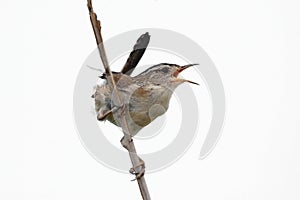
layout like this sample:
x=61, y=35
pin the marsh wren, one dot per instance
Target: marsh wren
x=145, y=96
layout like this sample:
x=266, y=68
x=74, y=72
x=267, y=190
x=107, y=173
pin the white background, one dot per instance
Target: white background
x=255, y=46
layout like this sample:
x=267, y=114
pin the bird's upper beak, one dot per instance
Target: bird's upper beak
x=180, y=69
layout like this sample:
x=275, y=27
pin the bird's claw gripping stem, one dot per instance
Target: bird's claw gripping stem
x=138, y=170
x=125, y=143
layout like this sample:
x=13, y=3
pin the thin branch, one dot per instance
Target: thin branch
x=127, y=136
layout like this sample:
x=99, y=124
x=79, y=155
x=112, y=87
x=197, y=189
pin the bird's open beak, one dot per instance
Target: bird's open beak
x=180, y=69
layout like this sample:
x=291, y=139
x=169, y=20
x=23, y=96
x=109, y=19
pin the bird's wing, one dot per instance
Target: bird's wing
x=136, y=54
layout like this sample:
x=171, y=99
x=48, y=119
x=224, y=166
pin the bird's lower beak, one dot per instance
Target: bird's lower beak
x=180, y=70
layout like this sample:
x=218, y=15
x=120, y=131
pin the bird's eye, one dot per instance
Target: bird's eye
x=165, y=70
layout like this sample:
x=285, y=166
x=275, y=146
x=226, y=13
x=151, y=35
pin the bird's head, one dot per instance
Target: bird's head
x=167, y=74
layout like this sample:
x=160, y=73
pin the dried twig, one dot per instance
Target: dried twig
x=127, y=136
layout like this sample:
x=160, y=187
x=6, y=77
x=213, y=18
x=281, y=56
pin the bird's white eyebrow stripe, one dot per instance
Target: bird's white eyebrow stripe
x=154, y=67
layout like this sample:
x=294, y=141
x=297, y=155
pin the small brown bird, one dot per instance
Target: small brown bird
x=145, y=96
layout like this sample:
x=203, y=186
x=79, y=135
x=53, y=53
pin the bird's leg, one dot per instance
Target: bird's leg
x=103, y=114
x=139, y=169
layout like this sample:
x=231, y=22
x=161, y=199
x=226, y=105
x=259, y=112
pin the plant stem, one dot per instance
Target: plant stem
x=127, y=136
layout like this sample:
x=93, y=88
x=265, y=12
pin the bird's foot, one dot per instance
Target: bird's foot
x=125, y=142
x=138, y=170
